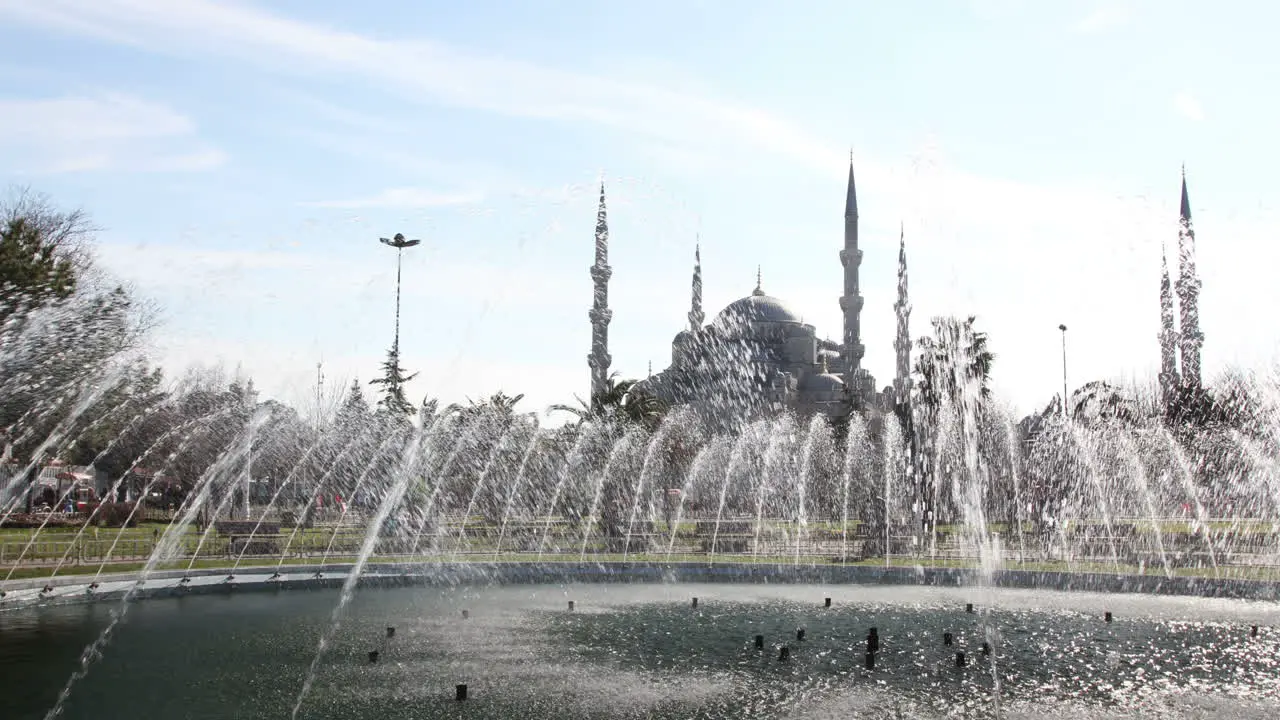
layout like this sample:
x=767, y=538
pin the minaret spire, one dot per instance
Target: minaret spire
x=1190, y=339
x=695, y=311
x=600, y=314
x=902, y=344
x=851, y=300
x=1168, y=335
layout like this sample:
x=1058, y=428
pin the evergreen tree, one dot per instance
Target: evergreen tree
x=354, y=409
x=393, y=381
x=38, y=253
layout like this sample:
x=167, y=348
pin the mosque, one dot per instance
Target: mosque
x=758, y=357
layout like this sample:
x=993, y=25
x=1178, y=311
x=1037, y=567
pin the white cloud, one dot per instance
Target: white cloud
x=421, y=71
x=103, y=132
x=1105, y=18
x=1188, y=106
x=403, y=197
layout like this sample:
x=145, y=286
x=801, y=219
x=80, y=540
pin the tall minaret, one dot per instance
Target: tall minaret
x=695, y=311
x=902, y=344
x=1168, y=335
x=851, y=301
x=600, y=314
x=1189, y=337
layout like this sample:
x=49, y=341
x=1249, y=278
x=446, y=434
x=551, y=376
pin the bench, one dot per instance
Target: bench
x=246, y=527
x=250, y=537
x=257, y=544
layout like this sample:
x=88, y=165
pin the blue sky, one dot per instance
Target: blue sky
x=243, y=158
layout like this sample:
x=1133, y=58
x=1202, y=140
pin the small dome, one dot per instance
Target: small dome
x=822, y=382
x=757, y=307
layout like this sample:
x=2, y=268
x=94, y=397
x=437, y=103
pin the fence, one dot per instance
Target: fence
x=1119, y=544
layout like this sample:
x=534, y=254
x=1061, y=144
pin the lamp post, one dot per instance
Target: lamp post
x=1063, y=328
x=399, y=243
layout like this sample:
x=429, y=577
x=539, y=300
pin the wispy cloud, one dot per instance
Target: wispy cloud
x=421, y=71
x=1108, y=17
x=1188, y=106
x=403, y=198
x=104, y=132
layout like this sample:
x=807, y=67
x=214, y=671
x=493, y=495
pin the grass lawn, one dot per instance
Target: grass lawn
x=259, y=563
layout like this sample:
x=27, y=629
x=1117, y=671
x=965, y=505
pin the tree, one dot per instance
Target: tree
x=953, y=363
x=65, y=328
x=41, y=252
x=954, y=357
x=620, y=402
x=393, y=381
x=354, y=409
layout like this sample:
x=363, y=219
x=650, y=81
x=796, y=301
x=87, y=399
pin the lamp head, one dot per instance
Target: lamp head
x=399, y=241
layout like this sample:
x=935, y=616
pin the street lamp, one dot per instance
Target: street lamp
x=1063, y=328
x=399, y=243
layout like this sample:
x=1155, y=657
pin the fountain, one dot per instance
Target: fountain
x=1096, y=564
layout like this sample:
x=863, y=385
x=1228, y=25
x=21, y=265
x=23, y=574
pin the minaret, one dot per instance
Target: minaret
x=902, y=344
x=1168, y=335
x=1189, y=337
x=851, y=301
x=600, y=314
x=695, y=311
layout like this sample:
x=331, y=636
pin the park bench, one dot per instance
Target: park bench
x=249, y=537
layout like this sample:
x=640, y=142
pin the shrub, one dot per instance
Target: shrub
x=116, y=514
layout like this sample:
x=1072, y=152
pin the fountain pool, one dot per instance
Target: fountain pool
x=642, y=650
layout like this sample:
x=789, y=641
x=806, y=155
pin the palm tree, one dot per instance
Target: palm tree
x=956, y=355
x=955, y=358
x=621, y=402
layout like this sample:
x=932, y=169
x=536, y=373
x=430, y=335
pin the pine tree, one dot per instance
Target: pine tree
x=354, y=408
x=393, y=381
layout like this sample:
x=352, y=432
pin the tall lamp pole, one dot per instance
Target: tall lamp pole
x=1063, y=328
x=399, y=243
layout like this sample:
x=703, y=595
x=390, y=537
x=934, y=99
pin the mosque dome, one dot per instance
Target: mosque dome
x=756, y=308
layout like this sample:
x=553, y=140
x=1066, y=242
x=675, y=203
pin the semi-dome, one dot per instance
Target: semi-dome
x=822, y=382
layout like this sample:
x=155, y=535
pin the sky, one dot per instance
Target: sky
x=243, y=158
